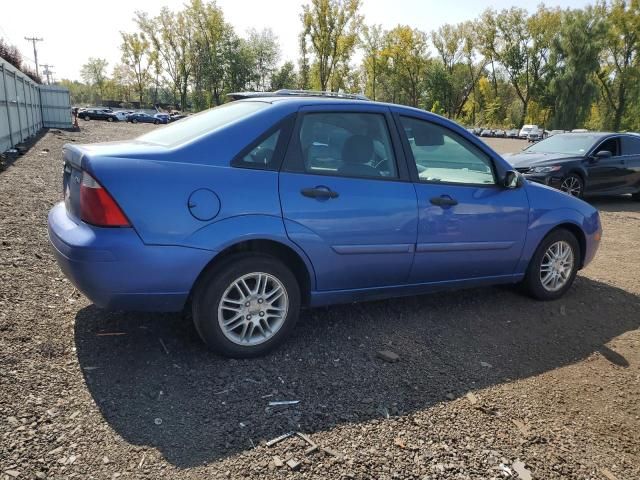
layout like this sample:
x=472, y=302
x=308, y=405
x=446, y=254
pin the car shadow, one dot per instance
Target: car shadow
x=620, y=203
x=156, y=384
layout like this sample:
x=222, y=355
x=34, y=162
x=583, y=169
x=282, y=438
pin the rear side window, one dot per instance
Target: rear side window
x=201, y=123
x=630, y=146
x=261, y=156
x=444, y=156
x=346, y=144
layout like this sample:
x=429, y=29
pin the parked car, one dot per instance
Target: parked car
x=174, y=117
x=583, y=164
x=143, y=117
x=551, y=133
x=524, y=131
x=121, y=114
x=500, y=133
x=163, y=117
x=486, y=133
x=513, y=133
x=98, y=114
x=251, y=210
x=534, y=136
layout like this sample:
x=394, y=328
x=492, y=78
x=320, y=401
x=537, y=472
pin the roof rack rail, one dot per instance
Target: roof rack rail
x=296, y=93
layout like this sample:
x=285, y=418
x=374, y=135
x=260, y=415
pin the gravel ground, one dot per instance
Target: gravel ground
x=487, y=382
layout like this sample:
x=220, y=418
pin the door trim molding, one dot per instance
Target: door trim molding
x=462, y=246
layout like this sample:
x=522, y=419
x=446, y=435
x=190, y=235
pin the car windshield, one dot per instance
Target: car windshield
x=567, y=143
x=201, y=123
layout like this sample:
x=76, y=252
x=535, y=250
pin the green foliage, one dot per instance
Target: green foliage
x=557, y=68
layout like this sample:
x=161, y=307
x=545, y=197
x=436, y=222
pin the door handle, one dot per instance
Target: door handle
x=443, y=201
x=319, y=192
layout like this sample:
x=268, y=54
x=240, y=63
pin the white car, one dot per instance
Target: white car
x=526, y=129
x=122, y=115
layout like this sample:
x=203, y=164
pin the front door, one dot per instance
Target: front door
x=346, y=199
x=606, y=174
x=469, y=227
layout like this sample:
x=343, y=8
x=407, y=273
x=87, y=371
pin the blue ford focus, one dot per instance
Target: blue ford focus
x=252, y=210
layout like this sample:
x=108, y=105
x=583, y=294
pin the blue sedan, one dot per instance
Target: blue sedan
x=252, y=210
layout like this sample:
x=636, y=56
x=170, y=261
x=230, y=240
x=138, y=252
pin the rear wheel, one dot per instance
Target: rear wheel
x=135, y=120
x=246, y=306
x=573, y=185
x=155, y=122
x=110, y=119
x=553, y=267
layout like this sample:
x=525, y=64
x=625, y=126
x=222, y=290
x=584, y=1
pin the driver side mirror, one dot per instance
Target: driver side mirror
x=602, y=154
x=512, y=179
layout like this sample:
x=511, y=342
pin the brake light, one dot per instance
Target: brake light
x=97, y=207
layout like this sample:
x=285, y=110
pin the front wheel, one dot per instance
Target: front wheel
x=156, y=122
x=553, y=267
x=573, y=185
x=246, y=306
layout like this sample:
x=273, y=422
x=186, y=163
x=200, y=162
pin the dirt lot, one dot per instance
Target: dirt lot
x=488, y=382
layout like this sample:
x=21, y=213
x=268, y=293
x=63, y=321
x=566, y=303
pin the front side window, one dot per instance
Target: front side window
x=609, y=145
x=444, y=156
x=347, y=144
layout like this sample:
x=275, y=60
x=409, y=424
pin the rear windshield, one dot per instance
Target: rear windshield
x=189, y=128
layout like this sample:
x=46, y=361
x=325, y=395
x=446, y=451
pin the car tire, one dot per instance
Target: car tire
x=551, y=261
x=573, y=185
x=636, y=196
x=228, y=313
x=86, y=118
x=110, y=119
x=156, y=122
x=135, y=120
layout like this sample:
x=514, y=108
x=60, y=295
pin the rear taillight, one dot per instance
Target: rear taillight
x=97, y=207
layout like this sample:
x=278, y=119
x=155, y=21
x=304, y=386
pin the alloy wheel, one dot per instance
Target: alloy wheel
x=572, y=185
x=253, y=308
x=556, y=266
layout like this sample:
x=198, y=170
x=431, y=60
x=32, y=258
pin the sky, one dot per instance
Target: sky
x=74, y=30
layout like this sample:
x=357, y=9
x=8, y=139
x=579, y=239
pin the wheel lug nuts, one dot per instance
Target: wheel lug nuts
x=248, y=317
x=247, y=304
x=262, y=314
x=260, y=300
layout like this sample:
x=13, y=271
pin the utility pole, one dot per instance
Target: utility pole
x=35, y=50
x=48, y=72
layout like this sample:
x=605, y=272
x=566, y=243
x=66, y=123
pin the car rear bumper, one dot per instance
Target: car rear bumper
x=116, y=270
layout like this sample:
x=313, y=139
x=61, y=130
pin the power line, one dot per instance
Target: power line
x=34, y=40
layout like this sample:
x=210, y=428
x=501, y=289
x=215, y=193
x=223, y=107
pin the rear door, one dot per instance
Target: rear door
x=346, y=198
x=631, y=154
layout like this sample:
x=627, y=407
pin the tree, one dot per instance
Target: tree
x=331, y=27
x=521, y=44
x=139, y=58
x=284, y=77
x=620, y=66
x=372, y=43
x=575, y=54
x=171, y=35
x=208, y=61
x=405, y=64
x=266, y=53
x=94, y=73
